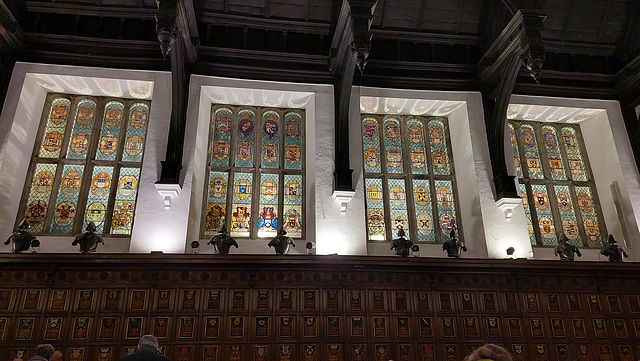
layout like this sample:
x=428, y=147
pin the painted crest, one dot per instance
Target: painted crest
x=415, y=133
x=371, y=157
x=293, y=191
x=122, y=216
x=246, y=124
x=417, y=158
x=376, y=223
x=542, y=202
x=85, y=116
x=425, y=223
x=108, y=144
x=570, y=140
x=269, y=190
x=392, y=131
x=220, y=149
x=436, y=135
x=215, y=216
x=556, y=164
x=100, y=184
x=370, y=129
x=245, y=151
x=293, y=221
x=70, y=183
x=444, y=197
x=59, y=114
x=218, y=188
x=528, y=138
x=533, y=163
x=43, y=182
x=439, y=159
x=52, y=141
x=529, y=227
x=64, y=214
x=585, y=203
x=35, y=212
x=421, y=195
x=575, y=163
x=138, y=118
x=399, y=219
x=79, y=143
x=242, y=189
x=397, y=196
x=112, y=117
x=292, y=127
x=374, y=194
x=549, y=138
x=570, y=228
x=394, y=158
x=591, y=229
x=445, y=223
x=270, y=126
x=292, y=153
x=127, y=185
x=133, y=146
x=223, y=122
x=95, y=213
x=525, y=199
x=270, y=152
x=546, y=228
x=564, y=202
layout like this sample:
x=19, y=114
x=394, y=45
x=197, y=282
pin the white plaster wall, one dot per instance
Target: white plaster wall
x=611, y=158
x=19, y=123
x=324, y=224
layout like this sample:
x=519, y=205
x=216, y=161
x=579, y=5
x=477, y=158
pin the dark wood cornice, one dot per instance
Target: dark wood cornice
x=264, y=24
x=88, y=10
x=554, y=46
x=628, y=78
x=429, y=38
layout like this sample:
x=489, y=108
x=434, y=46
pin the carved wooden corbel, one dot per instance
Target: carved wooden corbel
x=520, y=43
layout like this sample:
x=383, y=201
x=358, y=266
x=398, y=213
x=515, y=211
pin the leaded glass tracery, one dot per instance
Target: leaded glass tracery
x=86, y=166
x=556, y=186
x=255, y=172
x=410, y=181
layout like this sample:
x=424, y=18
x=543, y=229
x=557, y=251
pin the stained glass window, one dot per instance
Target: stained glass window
x=556, y=187
x=92, y=158
x=255, y=172
x=409, y=180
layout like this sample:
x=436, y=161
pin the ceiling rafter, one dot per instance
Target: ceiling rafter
x=565, y=26
x=98, y=11
x=264, y=24
x=459, y=19
x=603, y=22
x=423, y=6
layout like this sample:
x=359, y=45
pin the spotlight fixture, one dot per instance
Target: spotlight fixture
x=195, y=247
x=511, y=253
x=415, y=251
x=311, y=249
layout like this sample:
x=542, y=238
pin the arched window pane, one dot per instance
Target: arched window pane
x=531, y=153
x=545, y=215
x=216, y=202
x=270, y=140
x=393, y=145
x=245, y=138
x=39, y=195
x=417, y=150
x=221, y=140
x=82, y=127
x=371, y=145
x=574, y=155
x=293, y=140
x=67, y=199
x=136, y=133
x=586, y=203
x=552, y=148
x=55, y=129
x=110, y=131
x=439, y=153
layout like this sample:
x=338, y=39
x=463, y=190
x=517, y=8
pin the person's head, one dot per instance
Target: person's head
x=57, y=356
x=44, y=350
x=148, y=340
x=489, y=352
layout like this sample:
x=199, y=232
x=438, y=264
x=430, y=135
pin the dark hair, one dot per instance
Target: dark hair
x=44, y=350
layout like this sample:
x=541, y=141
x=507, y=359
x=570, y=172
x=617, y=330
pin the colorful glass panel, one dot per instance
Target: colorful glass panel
x=393, y=145
x=398, y=211
x=221, y=139
x=593, y=235
x=125, y=204
x=82, y=127
x=574, y=154
x=39, y=195
x=375, y=209
x=439, y=154
x=527, y=213
x=268, y=212
x=446, y=207
x=423, y=210
x=567, y=213
x=136, y=133
x=516, y=152
x=293, y=147
x=110, y=131
x=556, y=166
x=67, y=199
x=241, y=209
x=293, y=216
x=531, y=152
x=545, y=216
x=98, y=196
x=216, y=202
x=417, y=151
x=55, y=128
x=371, y=145
x=270, y=140
x=245, y=142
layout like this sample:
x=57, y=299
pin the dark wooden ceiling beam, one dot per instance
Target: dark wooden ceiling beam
x=459, y=18
x=591, y=49
x=423, y=6
x=264, y=24
x=603, y=22
x=565, y=25
x=87, y=10
x=426, y=37
x=10, y=30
